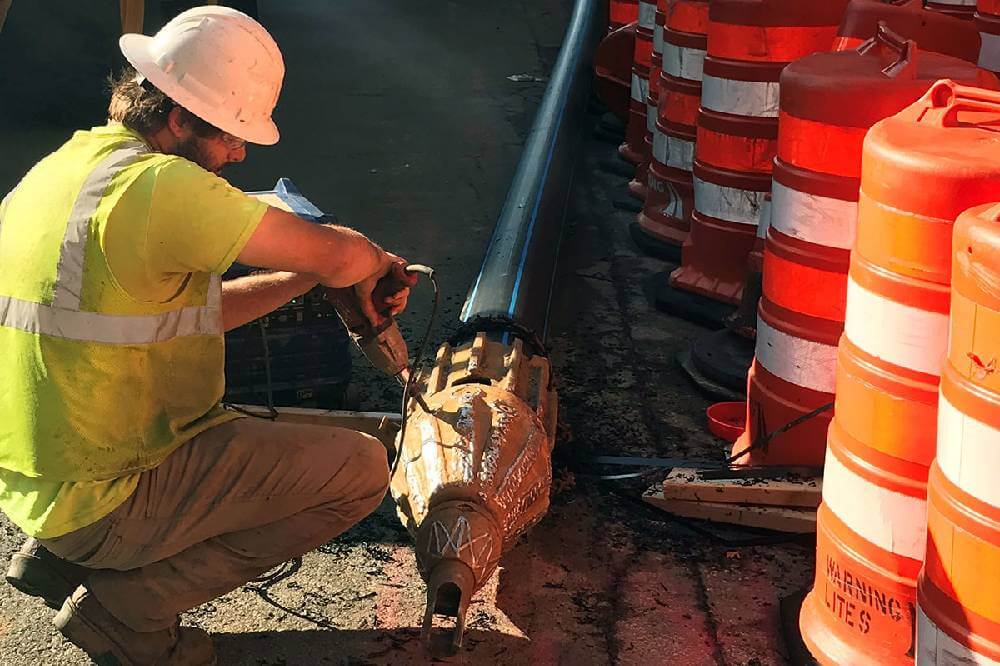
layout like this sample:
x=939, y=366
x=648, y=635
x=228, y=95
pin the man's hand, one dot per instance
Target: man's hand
x=386, y=291
x=338, y=257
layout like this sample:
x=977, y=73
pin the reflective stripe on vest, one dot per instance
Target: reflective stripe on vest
x=69, y=272
x=86, y=326
x=64, y=318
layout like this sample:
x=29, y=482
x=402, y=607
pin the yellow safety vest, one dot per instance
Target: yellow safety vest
x=95, y=385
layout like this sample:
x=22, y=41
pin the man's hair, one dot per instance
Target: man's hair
x=143, y=108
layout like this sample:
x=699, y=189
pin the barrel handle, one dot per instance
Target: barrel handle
x=905, y=65
x=946, y=98
x=993, y=213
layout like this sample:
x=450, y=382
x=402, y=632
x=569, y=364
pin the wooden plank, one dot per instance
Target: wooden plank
x=132, y=13
x=4, y=8
x=801, y=521
x=684, y=483
x=383, y=425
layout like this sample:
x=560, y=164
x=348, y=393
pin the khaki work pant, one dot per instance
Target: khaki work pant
x=223, y=509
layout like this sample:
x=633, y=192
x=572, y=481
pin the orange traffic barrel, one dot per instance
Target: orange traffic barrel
x=666, y=216
x=613, y=70
x=963, y=9
x=622, y=12
x=988, y=23
x=958, y=592
x=749, y=43
x=932, y=31
x=638, y=187
x=722, y=358
x=920, y=169
x=744, y=321
x=817, y=175
x=635, y=130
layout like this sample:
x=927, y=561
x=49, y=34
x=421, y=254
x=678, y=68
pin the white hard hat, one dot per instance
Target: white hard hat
x=219, y=64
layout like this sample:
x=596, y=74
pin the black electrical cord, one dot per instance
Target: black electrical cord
x=414, y=367
x=280, y=573
x=272, y=412
x=766, y=439
x=269, y=386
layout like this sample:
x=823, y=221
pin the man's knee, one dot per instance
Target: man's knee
x=373, y=463
x=364, y=479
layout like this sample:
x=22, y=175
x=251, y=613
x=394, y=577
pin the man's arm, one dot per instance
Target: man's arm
x=247, y=298
x=337, y=256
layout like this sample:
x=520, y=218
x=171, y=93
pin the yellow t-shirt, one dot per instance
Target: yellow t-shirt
x=174, y=221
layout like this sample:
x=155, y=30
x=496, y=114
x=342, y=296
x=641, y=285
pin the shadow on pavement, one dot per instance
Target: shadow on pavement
x=373, y=646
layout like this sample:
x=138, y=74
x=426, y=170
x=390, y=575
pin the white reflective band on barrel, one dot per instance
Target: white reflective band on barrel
x=900, y=334
x=682, y=62
x=809, y=217
x=892, y=521
x=812, y=365
x=764, y=219
x=989, y=51
x=69, y=272
x=64, y=318
x=954, y=3
x=651, y=112
x=671, y=151
x=658, y=39
x=647, y=14
x=640, y=88
x=968, y=453
x=675, y=203
x=936, y=648
x=756, y=99
x=727, y=203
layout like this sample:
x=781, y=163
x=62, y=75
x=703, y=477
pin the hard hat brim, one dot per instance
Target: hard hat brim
x=136, y=49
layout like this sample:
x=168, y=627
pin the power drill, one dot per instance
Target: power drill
x=382, y=345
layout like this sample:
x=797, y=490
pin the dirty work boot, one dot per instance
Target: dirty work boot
x=109, y=642
x=37, y=572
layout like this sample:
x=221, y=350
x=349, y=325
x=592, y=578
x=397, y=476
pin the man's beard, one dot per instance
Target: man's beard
x=192, y=148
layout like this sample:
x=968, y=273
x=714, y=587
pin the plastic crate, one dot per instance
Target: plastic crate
x=303, y=341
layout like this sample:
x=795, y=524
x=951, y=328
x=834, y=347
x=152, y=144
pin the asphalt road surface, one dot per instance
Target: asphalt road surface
x=400, y=118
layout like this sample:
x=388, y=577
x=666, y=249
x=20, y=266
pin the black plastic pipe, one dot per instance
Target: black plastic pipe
x=511, y=294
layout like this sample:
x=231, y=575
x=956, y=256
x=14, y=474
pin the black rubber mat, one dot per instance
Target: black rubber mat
x=684, y=304
x=724, y=358
x=653, y=246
